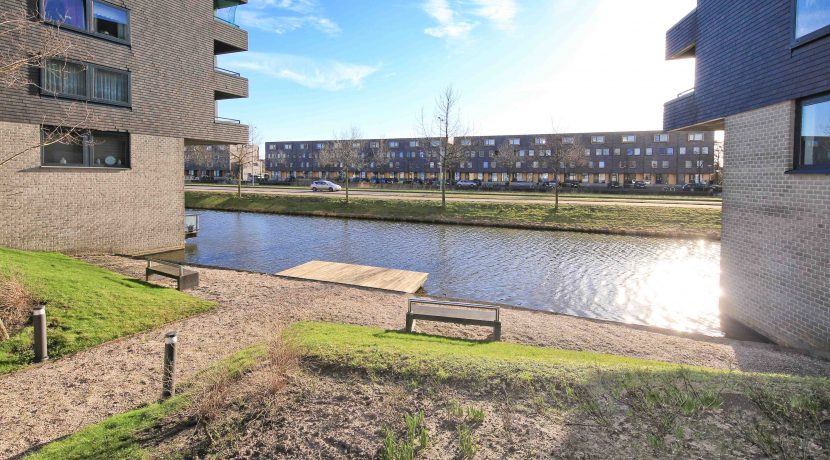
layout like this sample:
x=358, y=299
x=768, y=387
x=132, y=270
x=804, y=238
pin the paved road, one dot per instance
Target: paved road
x=472, y=197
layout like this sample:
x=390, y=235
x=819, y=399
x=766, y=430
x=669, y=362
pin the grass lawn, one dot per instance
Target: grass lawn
x=564, y=194
x=86, y=305
x=621, y=406
x=619, y=219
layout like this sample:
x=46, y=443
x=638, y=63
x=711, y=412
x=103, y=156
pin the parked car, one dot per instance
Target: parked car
x=697, y=188
x=614, y=184
x=466, y=185
x=570, y=183
x=522, y=186
x=324, y=185
x=639, y=184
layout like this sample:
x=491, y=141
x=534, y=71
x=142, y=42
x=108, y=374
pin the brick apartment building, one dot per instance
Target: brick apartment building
x=220, y=162
x=137, y=83
x=763, y=75
x=653, y=156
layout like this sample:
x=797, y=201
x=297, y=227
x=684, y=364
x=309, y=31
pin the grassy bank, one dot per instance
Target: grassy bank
x=626, y=220
x=85, y=305
x=386, y=394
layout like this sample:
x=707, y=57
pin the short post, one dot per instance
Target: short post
x=168, y=380
x=39, y=321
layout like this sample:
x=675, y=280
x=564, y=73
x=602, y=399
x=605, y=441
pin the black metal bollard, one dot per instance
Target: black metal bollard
x=39, y=321
x=168, y=380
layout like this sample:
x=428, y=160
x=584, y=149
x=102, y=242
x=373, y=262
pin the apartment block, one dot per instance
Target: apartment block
x=94, y=135
x=653, y=156
x=763, y=75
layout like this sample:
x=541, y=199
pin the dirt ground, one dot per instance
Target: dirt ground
x=91, y=385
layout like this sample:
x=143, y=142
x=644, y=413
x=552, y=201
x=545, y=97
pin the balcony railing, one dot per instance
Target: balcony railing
x=686, y=93
x=227, y=72
x=227, y=121
x=226, y=15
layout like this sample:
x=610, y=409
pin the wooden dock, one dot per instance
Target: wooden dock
x=358, y=275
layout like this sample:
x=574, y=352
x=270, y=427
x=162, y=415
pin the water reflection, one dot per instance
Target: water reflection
x=660, y=282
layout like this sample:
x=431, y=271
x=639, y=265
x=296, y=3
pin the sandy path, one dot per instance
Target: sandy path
x=391, y=195
x=45, y=402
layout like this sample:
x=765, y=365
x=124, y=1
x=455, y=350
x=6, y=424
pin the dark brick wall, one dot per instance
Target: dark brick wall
x=613, y=141
x=170, y=59
x=746, y=60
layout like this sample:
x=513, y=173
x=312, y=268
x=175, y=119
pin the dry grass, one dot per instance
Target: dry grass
x=16, y=304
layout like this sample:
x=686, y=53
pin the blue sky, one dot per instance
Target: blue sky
x=317, y=67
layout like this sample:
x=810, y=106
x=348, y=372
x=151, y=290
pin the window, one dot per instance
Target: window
x=88, y=149
x=272, y=147
x=706, y=150
x=88, y=82
x=413, y=143
x=695, y=137
x=535, y=164
x=515, y=141
x=653, y=165
x=696, y=150
x=319, y=146
x=374, y=144
x=93, y=16
x=670, y=151
x=466, y=142
x=541, y=141
x=567, y=140
x=661, y=138
x=518, y=164
x=435, y=143
x=287, y=146
x=810, y=16
x=486, y=165
x=521, y=153
x=393, y=144
x=597, y=139
x=637, y=152
x=303, y=146
x=629, y=139
x=616, y=151
x=814, y=138
x=355, y=145
x=649, y=151
x=110, y=20
x=688, y=164
x=629, y=152
x=665, y=165
x=682, y=150
x=601, y=165
x=490, y=142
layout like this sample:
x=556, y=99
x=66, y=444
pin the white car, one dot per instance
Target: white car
x=324, y=185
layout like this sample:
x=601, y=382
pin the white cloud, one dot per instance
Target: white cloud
x=284, y=24
x=327, y=74
x=451, y=16
x=500, y=12
x=270, y=16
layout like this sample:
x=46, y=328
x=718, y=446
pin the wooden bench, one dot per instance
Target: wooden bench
x=185, y=279
x=453, y=312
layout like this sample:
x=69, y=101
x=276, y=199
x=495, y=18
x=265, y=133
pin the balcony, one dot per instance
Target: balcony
x=228, y=84
x=682, y=38
x=681, y=112
x=227, y=36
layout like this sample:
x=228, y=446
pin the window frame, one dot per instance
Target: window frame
x=89, y=137
x=810, y=37
x=89, y=18
x=798, y=154
x=90, y=84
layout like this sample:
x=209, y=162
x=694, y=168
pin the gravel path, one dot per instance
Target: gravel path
x=45, y=402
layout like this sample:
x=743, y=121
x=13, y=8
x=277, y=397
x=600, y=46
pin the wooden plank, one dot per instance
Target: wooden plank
x=359, y=275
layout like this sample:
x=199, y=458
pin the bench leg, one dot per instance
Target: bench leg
x=409, y=321
x=497, y=331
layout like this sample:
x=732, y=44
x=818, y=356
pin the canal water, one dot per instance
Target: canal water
x=650, y=281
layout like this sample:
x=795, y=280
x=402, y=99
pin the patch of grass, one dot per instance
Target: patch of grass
x=621, y=219
x=86, y=305
x=118, y=436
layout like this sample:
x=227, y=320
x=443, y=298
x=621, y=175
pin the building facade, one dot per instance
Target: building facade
x=94, y=137
x=763, y=75
x=651, y=156
x=220, y=161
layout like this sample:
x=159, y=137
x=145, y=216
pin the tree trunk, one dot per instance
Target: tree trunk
x=347, y=186
x=239, y=183
x=442, y=178
x=556, y=205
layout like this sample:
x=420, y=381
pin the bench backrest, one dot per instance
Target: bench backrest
x=169, y=264
x=453, y=309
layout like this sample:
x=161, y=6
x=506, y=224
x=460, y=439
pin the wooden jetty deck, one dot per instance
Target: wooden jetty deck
x=359, y=275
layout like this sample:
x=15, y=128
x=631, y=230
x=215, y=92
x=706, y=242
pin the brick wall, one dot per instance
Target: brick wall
x=92, y=209
x=776, y=233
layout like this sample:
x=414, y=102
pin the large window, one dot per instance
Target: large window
x=814, y=151
x=93, y=16
x=88, y=82
x=810, y=16
x=63, y=147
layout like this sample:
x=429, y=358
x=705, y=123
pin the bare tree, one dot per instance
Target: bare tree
x=345, y=155
x=439, y=134
x=566, y=154
x=245, y=155
x=378, y=157
x=507, y=156
x=33, y=46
